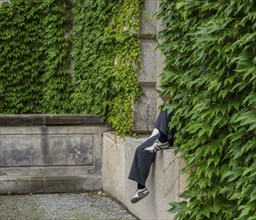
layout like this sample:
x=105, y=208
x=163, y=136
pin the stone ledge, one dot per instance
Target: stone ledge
x=165, y=182
x=49, y=119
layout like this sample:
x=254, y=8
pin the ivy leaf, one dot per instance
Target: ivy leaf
x=177, y=206
x=247, y=118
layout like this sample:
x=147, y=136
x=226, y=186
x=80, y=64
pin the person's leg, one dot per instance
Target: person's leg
x=141, y=167
x=161, y=124
x=162, y=138
x=142, y=162
x=143, y=159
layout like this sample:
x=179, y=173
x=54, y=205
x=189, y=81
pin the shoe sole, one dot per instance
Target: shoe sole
x=134, y=200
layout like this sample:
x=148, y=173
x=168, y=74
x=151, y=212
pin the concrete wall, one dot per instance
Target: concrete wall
x=50, y=153
x=165, y=182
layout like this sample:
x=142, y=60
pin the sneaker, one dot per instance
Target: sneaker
x=139, y=194
x=157, y=146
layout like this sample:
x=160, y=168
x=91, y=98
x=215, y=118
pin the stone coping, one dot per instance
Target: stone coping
x=49, y=119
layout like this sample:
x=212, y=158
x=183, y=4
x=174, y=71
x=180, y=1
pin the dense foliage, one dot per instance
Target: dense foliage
x=38, y=73
x=210, y=49
x=34, y=57
x=107, y=58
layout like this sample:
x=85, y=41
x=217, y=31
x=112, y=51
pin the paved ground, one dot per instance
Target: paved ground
x=84, y=206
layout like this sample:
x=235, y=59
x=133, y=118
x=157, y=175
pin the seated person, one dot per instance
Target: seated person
x=161, y=138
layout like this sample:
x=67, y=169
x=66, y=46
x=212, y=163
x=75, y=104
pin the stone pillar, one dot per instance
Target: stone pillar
x=160, y=58
x=147, y=109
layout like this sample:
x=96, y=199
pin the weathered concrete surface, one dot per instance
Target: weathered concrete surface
x=50, y=153
x=85, y=206
x=145, y=110
x=49, y=119
x=46, y=146
x=148, y=18
x=165, y=182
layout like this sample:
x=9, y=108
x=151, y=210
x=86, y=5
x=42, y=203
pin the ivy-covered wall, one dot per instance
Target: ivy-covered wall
x=71, y=56
x=107, y=58
x=35, y=57
x=210, y=49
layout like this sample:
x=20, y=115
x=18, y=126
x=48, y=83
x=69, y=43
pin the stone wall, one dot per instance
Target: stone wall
x=50, y=153
x=165, y=182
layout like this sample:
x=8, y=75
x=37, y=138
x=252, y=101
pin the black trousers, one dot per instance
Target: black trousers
x=143, y=160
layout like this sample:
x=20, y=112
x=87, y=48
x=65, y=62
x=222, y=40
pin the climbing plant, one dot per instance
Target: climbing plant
x=34, y=56
x=20, y=50
x=210, y=49
x=38, y=73
x=107, y=57
x=57, y=79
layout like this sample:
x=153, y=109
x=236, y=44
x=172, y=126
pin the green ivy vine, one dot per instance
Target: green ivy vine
x=210, y=49
x=34, y=56
x=57, y=78
x=107, y=57
x=20, y=86
x=71, y=56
